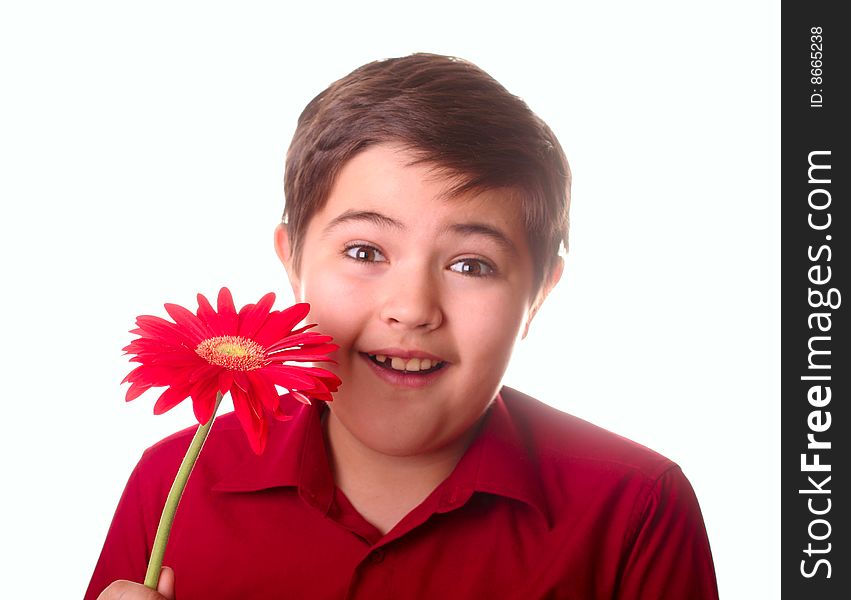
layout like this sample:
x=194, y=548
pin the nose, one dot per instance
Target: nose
x=412, y=301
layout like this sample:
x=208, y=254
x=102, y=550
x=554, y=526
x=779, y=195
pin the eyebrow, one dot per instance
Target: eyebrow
x=367, y=216
x=385, y=222
x=484, y=230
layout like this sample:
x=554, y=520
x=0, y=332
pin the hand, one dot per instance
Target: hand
x=127, y=590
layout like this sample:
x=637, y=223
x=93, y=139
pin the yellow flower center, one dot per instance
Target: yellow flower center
x=232, y=352
x=230, y=349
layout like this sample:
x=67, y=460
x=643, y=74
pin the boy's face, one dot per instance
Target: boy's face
x=392, y=269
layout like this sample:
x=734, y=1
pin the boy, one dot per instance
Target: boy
x=425, y=211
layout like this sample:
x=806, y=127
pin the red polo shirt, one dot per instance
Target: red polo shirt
x=542, y=505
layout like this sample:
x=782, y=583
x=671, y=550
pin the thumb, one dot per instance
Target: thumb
x=165, y=586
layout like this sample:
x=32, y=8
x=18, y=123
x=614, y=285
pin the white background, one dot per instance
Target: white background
x=141, y=161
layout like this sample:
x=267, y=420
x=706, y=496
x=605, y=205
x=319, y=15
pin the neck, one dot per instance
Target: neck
x=385, y=487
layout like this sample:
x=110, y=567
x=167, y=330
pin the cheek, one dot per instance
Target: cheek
x=493, y=322
x=338, y=305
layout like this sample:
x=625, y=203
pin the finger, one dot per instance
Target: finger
x=166, y=583
x=127, y=590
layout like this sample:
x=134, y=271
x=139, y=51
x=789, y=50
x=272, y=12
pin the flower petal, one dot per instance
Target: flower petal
x=225, y=381
x=280, y=324
x=228, y=320
x=159, y=328
x=157, y=375
x=241, y=381
x=207, y=314
x=319, y=372
x=318, y=354
x=287, y=376
x=300, y=397
x=170, y=398
x=287, y=406
x=189, y=322
x=251, y=418
x=204, y=399
x=253, y=316
x=263, y=389
x=136, y=390
x=204, y=371
x=292, y=341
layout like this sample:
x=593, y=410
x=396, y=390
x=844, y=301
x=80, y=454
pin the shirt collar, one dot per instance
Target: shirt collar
x=497, y=462
x=295, y=455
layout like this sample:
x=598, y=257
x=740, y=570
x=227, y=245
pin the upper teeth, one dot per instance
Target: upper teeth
x=410, y=364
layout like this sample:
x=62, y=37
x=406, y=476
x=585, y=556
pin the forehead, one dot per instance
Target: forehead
x=387, y=181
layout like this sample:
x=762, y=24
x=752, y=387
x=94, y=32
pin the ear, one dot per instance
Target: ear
x=282, y=248
x=546, y=288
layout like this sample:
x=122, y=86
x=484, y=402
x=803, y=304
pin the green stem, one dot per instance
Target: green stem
x=152, y=576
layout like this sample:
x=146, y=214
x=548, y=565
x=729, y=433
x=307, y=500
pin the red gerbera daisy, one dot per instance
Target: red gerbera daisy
x=203, y=354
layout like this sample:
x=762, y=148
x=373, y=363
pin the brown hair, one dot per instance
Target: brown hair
x=450, y=114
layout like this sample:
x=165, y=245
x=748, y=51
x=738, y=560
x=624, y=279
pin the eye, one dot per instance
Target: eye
x=472, y=267
x=364, y=253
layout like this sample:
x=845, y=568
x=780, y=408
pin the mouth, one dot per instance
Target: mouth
x=409, y=373
x=409, y=366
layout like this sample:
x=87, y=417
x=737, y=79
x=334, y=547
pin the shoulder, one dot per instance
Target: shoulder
x=561, y=442
x=599, y=481
x=631, y=512
x=224, y=436
x=224, y=450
